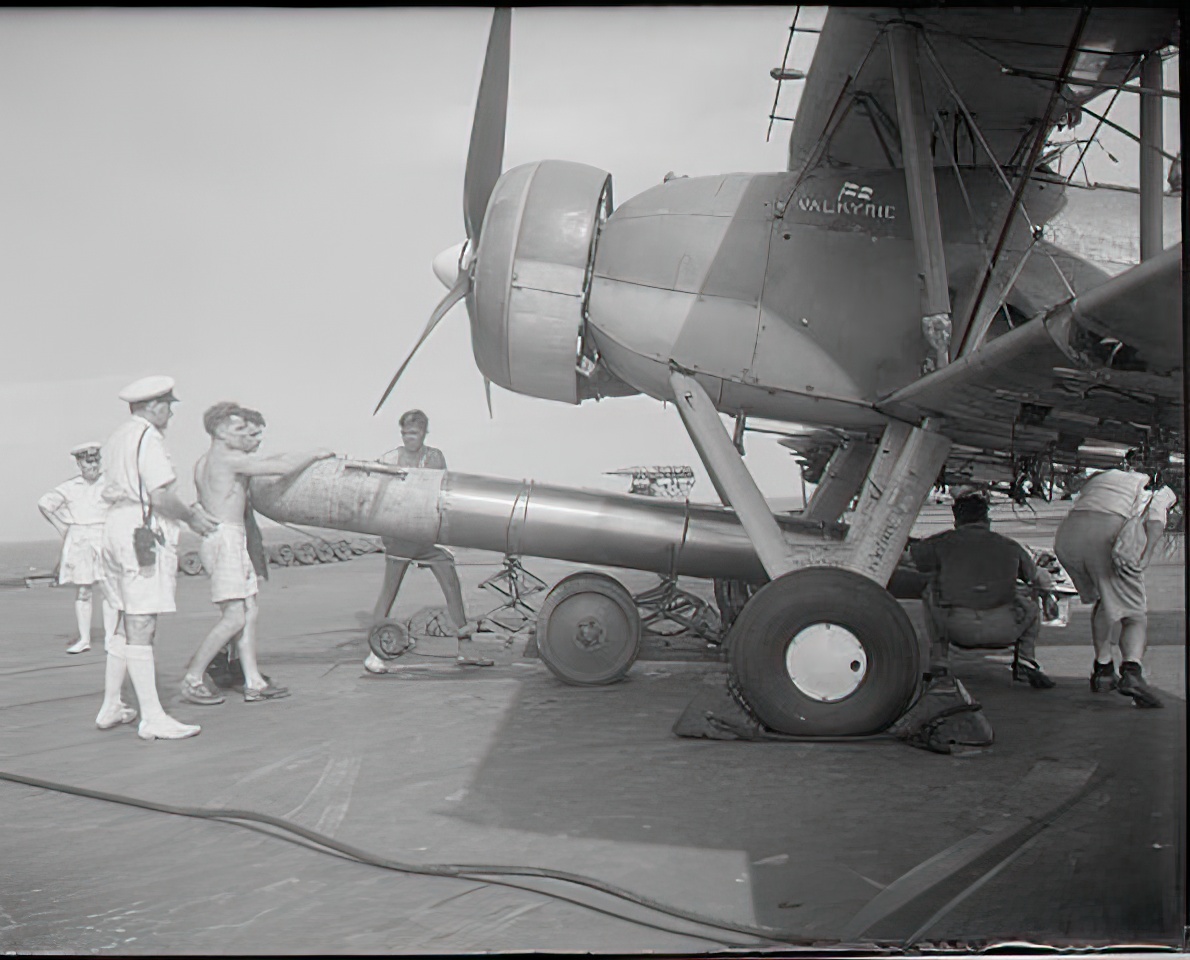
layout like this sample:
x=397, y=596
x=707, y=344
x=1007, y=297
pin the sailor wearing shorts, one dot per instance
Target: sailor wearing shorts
x=77, y=509
x=224, y=553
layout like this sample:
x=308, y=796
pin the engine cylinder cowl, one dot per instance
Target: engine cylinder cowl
x=532, y=272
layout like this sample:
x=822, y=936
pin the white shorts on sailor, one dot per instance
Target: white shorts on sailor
x=224, y=554
x=82, y=554
x=131, y=588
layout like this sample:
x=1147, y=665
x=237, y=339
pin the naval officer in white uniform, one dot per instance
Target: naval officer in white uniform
x=140, y=537
x=76, y=509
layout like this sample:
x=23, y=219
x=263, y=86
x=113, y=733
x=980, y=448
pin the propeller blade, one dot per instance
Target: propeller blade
x=487, y=392
x=485, y=156
x=453, y=296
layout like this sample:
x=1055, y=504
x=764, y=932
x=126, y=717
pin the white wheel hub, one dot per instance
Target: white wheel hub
x=826, y=662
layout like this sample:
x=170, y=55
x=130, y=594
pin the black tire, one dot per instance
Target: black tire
x=829, y=599
x=588, y=630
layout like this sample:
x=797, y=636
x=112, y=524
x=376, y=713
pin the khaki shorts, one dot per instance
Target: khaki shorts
x=130, y=588
x=224, y=554
x=1083, y=544
x=82, y=554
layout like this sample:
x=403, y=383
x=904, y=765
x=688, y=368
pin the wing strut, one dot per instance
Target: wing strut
x=972, y=333
x=922, y=190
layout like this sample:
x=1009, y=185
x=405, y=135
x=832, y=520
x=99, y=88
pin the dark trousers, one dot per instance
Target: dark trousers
x=1014, y=624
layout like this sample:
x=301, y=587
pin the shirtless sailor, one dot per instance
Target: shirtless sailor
x=221, y=477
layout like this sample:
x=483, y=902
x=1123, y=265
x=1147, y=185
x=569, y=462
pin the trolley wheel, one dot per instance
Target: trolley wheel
x=588, y=630
x=190, y=563
x=304, y=553
x=825, y=652
x=343, y=550
x=389, y=639
x=324, y=552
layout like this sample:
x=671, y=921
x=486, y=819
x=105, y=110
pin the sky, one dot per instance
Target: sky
x=250, y=200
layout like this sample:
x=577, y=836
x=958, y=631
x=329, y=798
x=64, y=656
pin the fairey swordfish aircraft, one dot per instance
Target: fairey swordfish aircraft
x=893, y=291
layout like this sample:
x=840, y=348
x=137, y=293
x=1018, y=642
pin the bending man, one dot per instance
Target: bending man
x=1084, y=547
x=221, y=476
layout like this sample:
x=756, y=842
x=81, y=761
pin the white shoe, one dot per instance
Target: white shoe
x=166, y=727
x=113, y=717
x=373, y=664
x=82, y=645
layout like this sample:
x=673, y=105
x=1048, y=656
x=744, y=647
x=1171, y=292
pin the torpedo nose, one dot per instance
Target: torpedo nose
x=448, y=264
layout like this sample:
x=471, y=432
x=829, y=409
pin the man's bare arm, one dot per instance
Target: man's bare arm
x=166, y=502
x=275, y=464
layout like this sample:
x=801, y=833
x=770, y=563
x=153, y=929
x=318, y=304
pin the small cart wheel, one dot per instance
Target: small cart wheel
x=389, y=639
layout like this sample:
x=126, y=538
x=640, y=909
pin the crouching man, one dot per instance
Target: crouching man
x=983, y=592
x=221, y=477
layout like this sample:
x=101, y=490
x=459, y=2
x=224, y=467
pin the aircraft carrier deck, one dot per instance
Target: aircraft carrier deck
x=1069, y=830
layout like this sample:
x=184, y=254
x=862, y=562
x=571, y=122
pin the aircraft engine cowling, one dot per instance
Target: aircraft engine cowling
x=532, y=273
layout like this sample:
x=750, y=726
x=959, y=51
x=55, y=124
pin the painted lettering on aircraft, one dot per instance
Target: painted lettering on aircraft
x=860, y=206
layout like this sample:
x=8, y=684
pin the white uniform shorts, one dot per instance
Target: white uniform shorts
x=224, y=554
x=132, y=589
x=82, y=554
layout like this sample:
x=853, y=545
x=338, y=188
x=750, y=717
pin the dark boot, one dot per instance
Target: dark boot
x=225, y=672
x=1132, y=684
x=1026, y=670
x=1103, y=677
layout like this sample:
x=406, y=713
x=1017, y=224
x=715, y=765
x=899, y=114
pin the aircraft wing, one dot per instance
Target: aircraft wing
x=847, y=113
x=1103, y=366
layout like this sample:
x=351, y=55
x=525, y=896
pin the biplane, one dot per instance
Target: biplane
x=893, y=292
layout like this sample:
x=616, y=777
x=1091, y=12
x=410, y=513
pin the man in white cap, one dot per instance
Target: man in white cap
x=140, y=536
x=76, y=509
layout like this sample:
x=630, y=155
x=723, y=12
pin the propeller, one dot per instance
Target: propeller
x=485, y=160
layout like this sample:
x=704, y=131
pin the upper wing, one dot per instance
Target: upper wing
x=847, y=113
x=1105, y=365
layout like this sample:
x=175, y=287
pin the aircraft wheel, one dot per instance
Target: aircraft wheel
x=190, y=564
x=824, y=652
x=389, y=639
x=588, y=630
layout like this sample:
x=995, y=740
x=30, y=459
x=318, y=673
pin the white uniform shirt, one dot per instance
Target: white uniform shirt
x=1123, y=493
x=127, y=475
x=76, y=502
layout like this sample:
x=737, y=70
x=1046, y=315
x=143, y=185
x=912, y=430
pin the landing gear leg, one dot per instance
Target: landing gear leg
x=824, y=649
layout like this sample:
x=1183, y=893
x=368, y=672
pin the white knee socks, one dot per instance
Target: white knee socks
x=111, y=621
x=82, y=613
x=143, y=671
